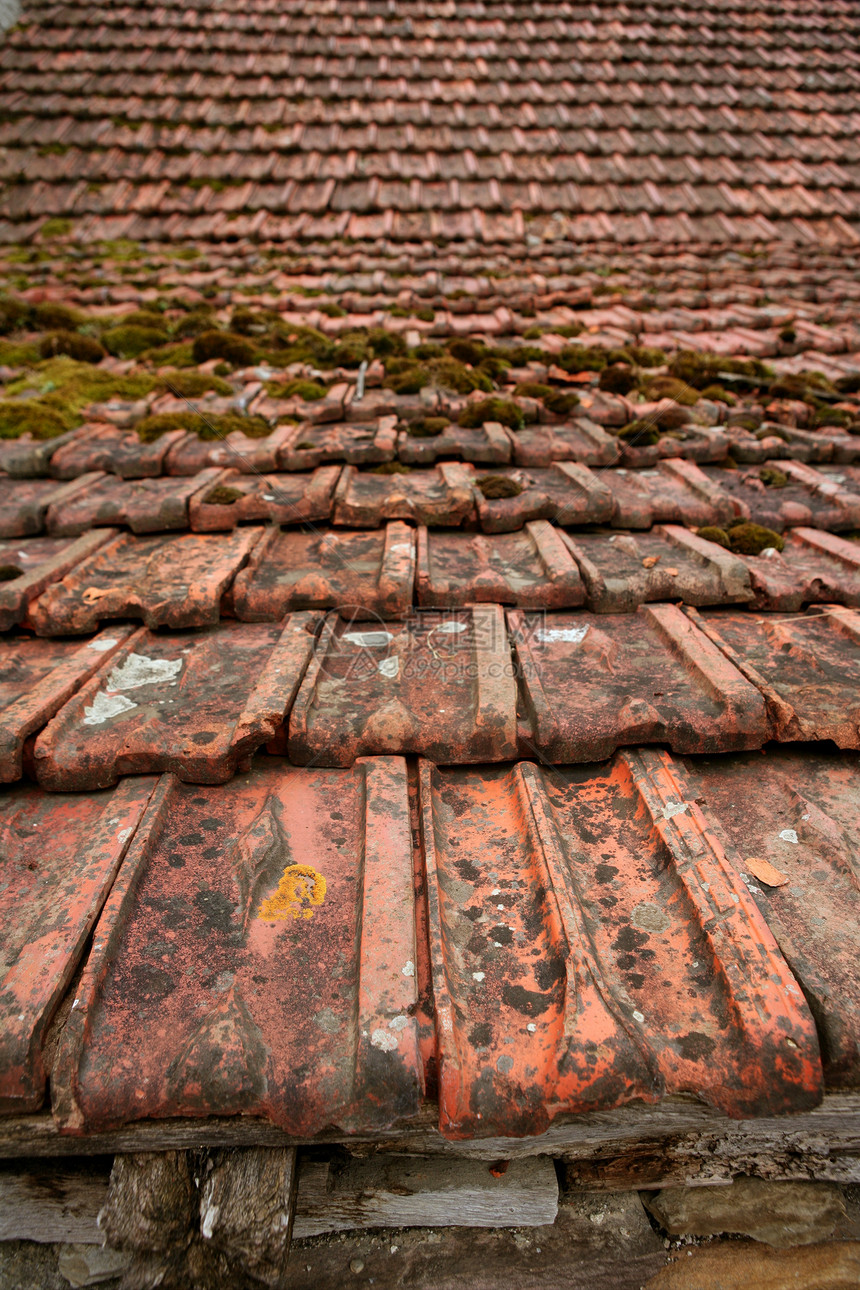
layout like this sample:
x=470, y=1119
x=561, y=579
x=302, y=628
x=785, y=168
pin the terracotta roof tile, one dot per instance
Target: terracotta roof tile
x=532, y=569
x=208, y=701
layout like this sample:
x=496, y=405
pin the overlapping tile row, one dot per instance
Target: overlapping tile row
x=213, y=124
x=596, y=935
x=500, y=499
x=457, y=685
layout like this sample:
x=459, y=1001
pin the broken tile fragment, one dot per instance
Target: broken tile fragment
x=25, y=503
x=487, y=443
x=562, y=984
x=532, y=569
x=58, y=858
x=786, y=494
x=36, y=679
x=116, y=452
x=798, y=809
x=674, y=492
x=582, y=441
x=439, y=684
x=592, y=683
x=363, y=574
x=441, y=496
x=624, y=570
x=285, y=983
x=307, y=446
x=174, y=580
x=807, y=666
x=565, y=492
x=814, y=567
x=230, y=498
x=144, y=505
x=198, y=704
x=29, y=565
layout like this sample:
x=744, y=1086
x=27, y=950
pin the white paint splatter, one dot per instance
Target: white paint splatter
x=102, y=646
x=788, y=835
x=124, y=835
x=389, y=668
x=478, y=976
x=398, y=1023
x=138, y=669
x=384, y=1040
x=639, y=1016
x=408, y=968
x=104, y=706
x=573, y=635
x=208, y=1220
x=368, y=640
x=672, y=809
x=450, y=627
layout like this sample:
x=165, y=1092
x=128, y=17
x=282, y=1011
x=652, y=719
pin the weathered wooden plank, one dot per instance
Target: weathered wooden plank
x=247, y=1202
x=410, y=1191
x=46, y=1201
x=833, y=1128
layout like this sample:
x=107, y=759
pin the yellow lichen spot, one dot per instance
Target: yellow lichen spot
x=299, y=889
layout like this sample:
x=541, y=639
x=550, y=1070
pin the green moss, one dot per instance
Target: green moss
x=225, y=345
x=55, y=228
x=647, y=356
x=51, y=316
x=711, y=533
x=409, y=381
x=716, y=392
x=63, y=389
x=750, y=423
x=752, y=539
x=428, y=349
x=640, y=434
x=131, y=341
x=701, y=370
x=83, y=349
x=153, y=427
x=582, y=358
x=193, y=323
x=21, y=354
x=13, y=315
x=247, y=322
x=467, y=351
x=560, y=402
x=308, y=391
x=451, y=374
x=305, y=445
x=668, y=387
x=504, y=411
x=495, y=487
x=425, y=315
x=617, y=379
x=427, y=427
x=390, y=468
x=30, y=417
x=190, y=384
x=207, y=428
x=332, y=310
x=223, y=495
x=849, y=384
x=532, y=333
x=533, y=390
x=773, y=477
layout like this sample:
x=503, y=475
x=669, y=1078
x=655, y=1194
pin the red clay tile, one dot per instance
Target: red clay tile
x=442, y=495
x=814, y=567
x=806, y=666
x=308, y=446
x=583, y=441
x=28, y=458
x=532, y=569
x=565, y=492
x=29, y=565
x=362, y=574
x=284, y=981
x=36, y=679
x=591, y=946
x=197, y=704
x=171, y=581
x=487, y=443
x=377, y=690
x=692, y=443
x=590, y=684
x=24, y=503
x=145, y=505
x=624, y=570
x=799, y=813
x=117, y=452
x=808, y=498
x=235, y=451
x=58, y=858
x=282, y=499
x=674, y=492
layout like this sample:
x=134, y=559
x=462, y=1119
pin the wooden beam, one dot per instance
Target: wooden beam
x=411, y=1191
